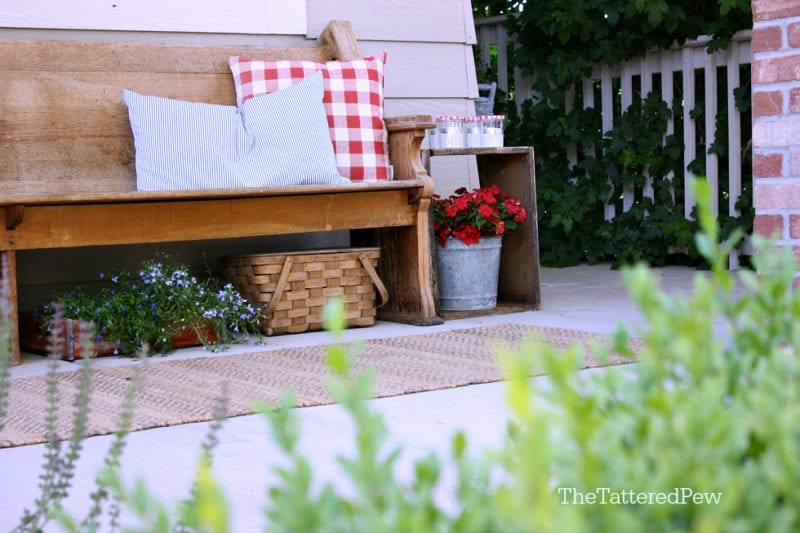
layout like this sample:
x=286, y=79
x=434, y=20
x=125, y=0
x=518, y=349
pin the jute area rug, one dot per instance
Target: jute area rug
x=183, y=391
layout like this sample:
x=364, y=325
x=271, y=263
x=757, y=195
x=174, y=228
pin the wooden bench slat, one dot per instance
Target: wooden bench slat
x=89, y=224
x=66, y=56
x=48, y=94
x=94, y=196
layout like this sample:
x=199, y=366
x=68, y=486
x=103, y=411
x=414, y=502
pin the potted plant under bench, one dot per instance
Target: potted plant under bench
x=162, y=306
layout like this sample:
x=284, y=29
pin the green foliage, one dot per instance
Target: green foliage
x=570, y=36
x=204, y=510
x=556, y=43
x=717, y=374
x=490, y=8
x=7, y=332
x=206, y=507
x=379, y=502
x=58, y=470
x=59, y=465
x=706, y=422
x=112, y=461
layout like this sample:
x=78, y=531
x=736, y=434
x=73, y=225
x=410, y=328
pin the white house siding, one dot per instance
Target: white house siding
x=429, y=71
x=430, y=68
x=209, y=16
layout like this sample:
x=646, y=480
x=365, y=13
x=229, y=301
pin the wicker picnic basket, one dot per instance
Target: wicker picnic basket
x=293, y=287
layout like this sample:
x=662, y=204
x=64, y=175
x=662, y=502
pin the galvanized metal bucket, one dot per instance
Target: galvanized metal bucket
x=467, y=275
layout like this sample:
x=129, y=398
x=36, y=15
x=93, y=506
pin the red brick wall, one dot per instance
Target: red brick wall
x=776, y=119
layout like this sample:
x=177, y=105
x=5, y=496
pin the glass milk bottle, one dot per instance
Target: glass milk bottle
x=492, y=130
x=451, y=132
x=433, y=137
x=472, y=132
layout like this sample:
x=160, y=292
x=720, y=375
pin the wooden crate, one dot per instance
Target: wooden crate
x=65, y=336
x=67, y=345
x=293, y=288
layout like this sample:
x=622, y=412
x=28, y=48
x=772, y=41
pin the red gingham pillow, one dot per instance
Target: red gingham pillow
x=353, y=101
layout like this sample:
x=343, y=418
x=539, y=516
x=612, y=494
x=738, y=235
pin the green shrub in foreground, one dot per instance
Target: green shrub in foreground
x=713, y=413
x=702, y=435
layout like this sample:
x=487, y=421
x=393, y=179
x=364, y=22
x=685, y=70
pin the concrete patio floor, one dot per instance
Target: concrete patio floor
x=587, y=298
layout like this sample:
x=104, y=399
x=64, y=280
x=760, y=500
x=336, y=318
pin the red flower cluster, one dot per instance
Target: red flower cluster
x=470, y=215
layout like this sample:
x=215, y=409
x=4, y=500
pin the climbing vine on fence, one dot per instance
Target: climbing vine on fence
x=557, y=42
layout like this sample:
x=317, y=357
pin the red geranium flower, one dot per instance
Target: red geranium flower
x=487, y=211
x=470, y=215
x=468, y=234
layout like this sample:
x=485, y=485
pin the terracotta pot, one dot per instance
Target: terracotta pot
x=188, y=337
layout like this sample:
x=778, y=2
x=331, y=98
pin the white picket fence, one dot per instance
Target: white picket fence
x=690, y=62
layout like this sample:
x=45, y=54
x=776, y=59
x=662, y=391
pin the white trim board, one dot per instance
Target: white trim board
x=286, y=17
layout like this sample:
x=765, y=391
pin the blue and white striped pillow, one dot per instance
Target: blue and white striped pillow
x=278, y=139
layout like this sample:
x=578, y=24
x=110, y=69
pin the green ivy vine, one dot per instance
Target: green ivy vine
x=556, y=44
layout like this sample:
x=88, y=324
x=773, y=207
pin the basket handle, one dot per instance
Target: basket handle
x=276, y=296
x=375, y=279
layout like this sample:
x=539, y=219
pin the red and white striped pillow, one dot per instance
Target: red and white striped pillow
x=353, y=99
